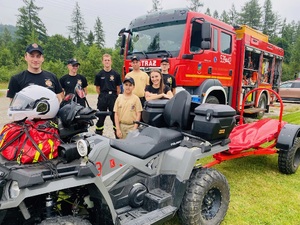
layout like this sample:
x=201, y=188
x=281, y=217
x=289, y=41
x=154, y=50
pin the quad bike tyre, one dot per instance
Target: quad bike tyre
x=212, y=100
x=206, y=198
x=263, y=105
x=289, y=160
x=65, y=220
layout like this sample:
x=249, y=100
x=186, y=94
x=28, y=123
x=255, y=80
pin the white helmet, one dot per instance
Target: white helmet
x=34, y=102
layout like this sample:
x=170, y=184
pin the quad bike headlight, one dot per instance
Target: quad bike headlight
x=14, y=189
x=82, y=147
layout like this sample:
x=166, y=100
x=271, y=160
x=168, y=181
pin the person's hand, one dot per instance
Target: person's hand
x=119, y=134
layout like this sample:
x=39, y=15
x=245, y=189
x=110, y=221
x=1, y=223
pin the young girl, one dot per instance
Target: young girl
x=157, y=89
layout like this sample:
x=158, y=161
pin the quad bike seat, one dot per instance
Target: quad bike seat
x=152, y=140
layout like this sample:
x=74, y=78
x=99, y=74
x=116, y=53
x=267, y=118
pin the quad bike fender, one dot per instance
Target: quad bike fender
x=182, y=160
x=287, y=136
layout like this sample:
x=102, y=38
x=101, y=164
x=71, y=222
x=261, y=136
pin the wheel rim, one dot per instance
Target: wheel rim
x=211, y=204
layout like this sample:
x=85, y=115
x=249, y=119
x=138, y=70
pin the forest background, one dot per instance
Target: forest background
x=89, y=46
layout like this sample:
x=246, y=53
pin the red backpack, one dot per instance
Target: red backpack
x=29, y=141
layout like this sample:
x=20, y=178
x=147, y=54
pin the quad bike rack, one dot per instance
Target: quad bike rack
x=251, y=138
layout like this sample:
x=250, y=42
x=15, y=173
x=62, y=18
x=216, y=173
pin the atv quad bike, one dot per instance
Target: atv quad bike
x=143, y=179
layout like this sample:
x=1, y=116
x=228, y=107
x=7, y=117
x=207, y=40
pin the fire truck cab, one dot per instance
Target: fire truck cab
x=212, y=60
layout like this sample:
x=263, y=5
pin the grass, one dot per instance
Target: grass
x=259, y=193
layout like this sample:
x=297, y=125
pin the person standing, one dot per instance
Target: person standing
x=157, y=89
x=140, y=78
x=34, y=74
x=107, y=83
x=127, y=109
x=169, y=80
x=74, y=83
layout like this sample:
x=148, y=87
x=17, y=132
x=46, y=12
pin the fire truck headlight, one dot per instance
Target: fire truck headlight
x=14, y=189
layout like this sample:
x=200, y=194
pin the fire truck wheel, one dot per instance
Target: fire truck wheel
x=206, y=198
x=289, y=160
x=212, y=99
x=262, y=103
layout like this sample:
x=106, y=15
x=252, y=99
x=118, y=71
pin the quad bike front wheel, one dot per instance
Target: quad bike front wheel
x=289, y=160
x=206, y=198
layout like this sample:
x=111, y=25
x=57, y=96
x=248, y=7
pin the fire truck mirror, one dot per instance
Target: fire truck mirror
x=206, y=31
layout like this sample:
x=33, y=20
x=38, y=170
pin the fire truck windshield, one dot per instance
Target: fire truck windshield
x=157, y=40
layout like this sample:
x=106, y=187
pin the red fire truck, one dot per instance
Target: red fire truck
x=214, y=61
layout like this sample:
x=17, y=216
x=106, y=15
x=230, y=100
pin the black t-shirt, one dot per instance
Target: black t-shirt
x=25, y=78
x=153, y=90
x=169, y=80
x=68, y=83
x=108, y=81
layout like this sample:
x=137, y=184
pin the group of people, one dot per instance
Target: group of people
x=127, y=106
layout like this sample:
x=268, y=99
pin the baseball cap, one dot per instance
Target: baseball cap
x=164, y=60
x=129, y=79
x=135, y=58
x=73, y=62
x=34, y=47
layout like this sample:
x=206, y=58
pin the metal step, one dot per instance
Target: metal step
x=253, y=110
x=158, y=215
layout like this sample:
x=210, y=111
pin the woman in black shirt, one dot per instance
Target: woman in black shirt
x=157, y=89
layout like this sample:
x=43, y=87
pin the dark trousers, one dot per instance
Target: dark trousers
x=105, y=102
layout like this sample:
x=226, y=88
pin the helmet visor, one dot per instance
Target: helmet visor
x=22, y=102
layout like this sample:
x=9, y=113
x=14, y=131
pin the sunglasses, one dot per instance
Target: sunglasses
x=76, y=65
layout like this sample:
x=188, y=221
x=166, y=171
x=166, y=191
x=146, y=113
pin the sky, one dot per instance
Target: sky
x=117, y=14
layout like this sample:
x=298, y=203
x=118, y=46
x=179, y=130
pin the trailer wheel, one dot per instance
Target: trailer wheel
x=289, y=160
x=262, y=103
x=206, y=199
x=71, y=220
x=212, y=100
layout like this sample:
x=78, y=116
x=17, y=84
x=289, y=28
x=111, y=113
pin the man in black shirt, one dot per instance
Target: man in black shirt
x=74, y=83
x=34, y=74
x=107, y=83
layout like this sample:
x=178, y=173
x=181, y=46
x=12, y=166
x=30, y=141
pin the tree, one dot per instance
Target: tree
x=224, y=17
x=5, y=38
x=195, y=5
x=269, y=22
x=90, y=39
x=59, y=48
x=207, y=12
x=156, y=6
x=251, y=14
x=77, y=29
x=30, y=27
x=99, y=34
x=216, y=14
x=233, y=15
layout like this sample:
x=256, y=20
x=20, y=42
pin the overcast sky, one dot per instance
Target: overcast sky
x=116, y=14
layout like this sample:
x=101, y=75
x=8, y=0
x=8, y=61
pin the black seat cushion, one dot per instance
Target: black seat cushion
x=150, y=141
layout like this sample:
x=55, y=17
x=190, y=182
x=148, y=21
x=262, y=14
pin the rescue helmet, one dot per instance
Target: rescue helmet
x=34, y=102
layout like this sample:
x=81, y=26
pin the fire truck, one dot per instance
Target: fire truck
x=217, y=62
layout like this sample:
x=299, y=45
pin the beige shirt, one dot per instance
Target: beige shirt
x=141, y=79
x=127, y=108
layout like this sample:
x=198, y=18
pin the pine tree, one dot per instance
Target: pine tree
x=216, y=14
x=195, y=5
x=90, y=39
x=233, y=16
x=269, y=22
x=30, y=27
x=251, y=14
x=77, y=29
x=224, y=17
x=99, y=34
x=156, y=6
x=207, y=12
